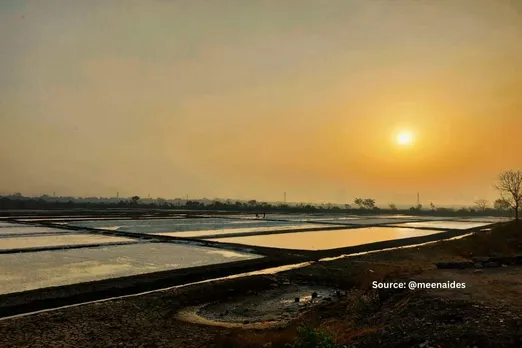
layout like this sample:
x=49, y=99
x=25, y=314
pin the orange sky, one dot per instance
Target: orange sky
x=250, y=99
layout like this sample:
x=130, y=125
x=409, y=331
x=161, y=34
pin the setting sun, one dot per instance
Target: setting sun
x=404, y=138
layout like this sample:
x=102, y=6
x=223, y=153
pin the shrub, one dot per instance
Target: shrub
x=309, y=337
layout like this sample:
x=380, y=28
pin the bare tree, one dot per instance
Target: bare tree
x=393, y=206
x=510, y=188
x=481, y=204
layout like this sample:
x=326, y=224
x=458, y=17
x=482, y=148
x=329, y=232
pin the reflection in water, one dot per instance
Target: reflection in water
x=322, y=240
x=17, y=229
x=459, y=225
x=238, y=230
x=228, y=253
x=184, y=225
x=19, y=272
x=50, y=241
x=327, y=259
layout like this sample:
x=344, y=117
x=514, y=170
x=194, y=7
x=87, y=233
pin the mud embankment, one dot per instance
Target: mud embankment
x=53, y=297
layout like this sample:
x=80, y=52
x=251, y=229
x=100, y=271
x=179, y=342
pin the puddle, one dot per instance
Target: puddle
x=259, y=310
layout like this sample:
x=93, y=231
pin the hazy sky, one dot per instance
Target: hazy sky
x=248, y=99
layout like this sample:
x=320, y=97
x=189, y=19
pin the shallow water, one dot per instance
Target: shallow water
x=240, y=230
x=323, y=240
x=19, y=272
x=184, y=225
x=21, y=229
x=7, y=224
x=59, y=240
x=459, y=225
x=368, y=221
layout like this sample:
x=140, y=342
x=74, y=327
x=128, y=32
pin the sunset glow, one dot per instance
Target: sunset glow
x=250, y=99
x=404, y=138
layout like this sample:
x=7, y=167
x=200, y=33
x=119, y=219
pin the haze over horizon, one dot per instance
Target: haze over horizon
x=248, y=100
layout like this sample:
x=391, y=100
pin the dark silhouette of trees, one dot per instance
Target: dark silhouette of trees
x=418, y=207
x=510, y=187
x=365, y=203
x=481, y=204
x=361, y=206
x=369, y=203
x=501, y=205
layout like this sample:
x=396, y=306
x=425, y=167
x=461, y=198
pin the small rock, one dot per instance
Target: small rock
x=297, y=299
x=267, y=345
x=504, y=265
x=314, y=294
x=478, y=271
x=478, y=265
x=246, y=322
x=423, y=345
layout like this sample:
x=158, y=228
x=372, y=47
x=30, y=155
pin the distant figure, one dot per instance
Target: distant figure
x=257, y=216
x=264, y=215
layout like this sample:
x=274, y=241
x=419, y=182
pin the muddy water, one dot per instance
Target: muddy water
x=260, y=309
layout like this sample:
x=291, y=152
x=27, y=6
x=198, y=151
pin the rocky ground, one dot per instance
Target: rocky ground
x=487, y=313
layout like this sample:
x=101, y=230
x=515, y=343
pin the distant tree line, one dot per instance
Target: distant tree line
x=361, y=206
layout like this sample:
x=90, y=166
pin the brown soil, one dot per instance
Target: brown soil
x=487, y=313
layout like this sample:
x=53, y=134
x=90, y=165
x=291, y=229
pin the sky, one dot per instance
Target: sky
x=251, y=99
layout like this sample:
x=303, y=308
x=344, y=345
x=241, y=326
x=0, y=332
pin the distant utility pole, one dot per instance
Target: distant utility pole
x=117, y=195
x=285, y=197
x=54, y=194
x=418, y=198
x=187, y=197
